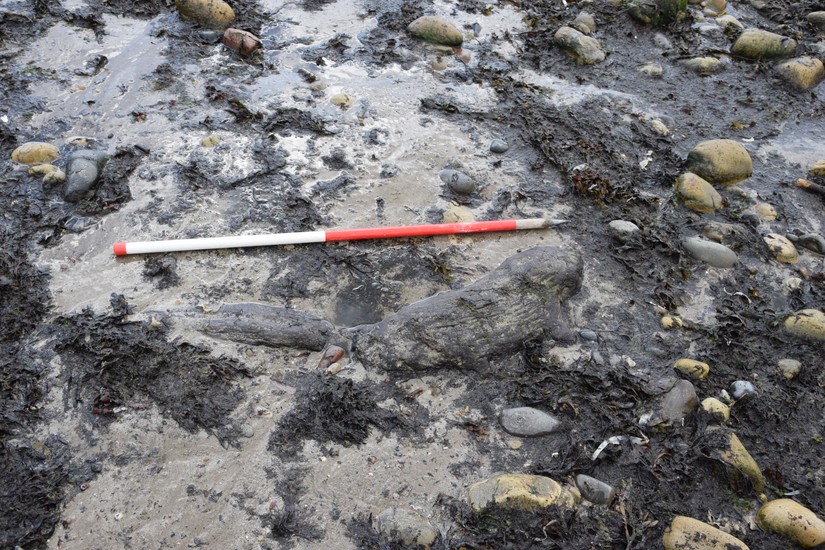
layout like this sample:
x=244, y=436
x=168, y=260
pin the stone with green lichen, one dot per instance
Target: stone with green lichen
x=436, y=31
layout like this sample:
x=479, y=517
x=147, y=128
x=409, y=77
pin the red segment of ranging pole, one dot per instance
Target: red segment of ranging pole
x=241, y=241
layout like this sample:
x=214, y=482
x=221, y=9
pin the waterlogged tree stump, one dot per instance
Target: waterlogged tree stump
x=265, y=325
x=493, y=317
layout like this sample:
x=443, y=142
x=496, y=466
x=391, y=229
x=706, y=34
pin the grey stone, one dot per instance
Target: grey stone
x=597, y=492
x=458, y=182
x=662, y=42
x=405, y=528
x=499, y=146
x=584, y=49
x=83, y=171
x=714, y=254
x=741, y=388
x=817, y=19
x=588, y=335
x=528, y=422
x=436, y=31
x=622, y=229
x=584, y=22
x=677, y=403
x=811, y=241
x=790, y=368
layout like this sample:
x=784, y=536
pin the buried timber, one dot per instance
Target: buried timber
x=648, y=372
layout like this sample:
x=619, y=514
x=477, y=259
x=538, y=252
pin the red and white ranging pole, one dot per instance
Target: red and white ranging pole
x=304, y=237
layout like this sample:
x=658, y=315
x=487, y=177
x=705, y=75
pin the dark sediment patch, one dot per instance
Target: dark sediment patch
x=107, y=358
x=334, y=410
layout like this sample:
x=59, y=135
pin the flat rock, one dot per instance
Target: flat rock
x=804, y=73
x=214, y=14
x=436, y=31
x=759, y=44
x=584, y=49
x=788, y=517
x=714, y=254
x=676, y=404
x=528, y=422
x=265, y=325
x=492, y=317
x=807, y=323
x=720, y=161
x=698, y=194
x=405, y=528
x=519, y=492
x=686, y=533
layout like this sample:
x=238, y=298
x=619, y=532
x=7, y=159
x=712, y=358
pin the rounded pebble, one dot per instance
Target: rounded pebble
x=35, y=151
x=793, y=520
x=528, y=422
x=405, y=527
x=458, y=182
x=623, y=230
x=597, y=492
x=714, y=254
x=588, y=335
x=686, y=533
x=499, y=146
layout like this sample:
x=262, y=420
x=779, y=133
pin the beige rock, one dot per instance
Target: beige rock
x=56, y=176
x=671, y=322
x=782, y=249
x=405, y=527
x=584, y=22
x=726, y=21
x=342, y=100
x=789, y=368
x=807, y=323
x=41, y=169
x=818, y=169
x=720, y=161
x=703, y=66
x=34, y=152
x=585, y=50
x=765, y=211
x=436, y=31
x=817, y=19
x=805, y=73
x=690, y=367
x=520, y=492
x=759, y=44
x=457, y=214
x=716, y=408
x=215, y=14
x=697, y=193
x=793, y=520
x=654, y=70
x=210, y=141
x=686, y=533
x=728, y=449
